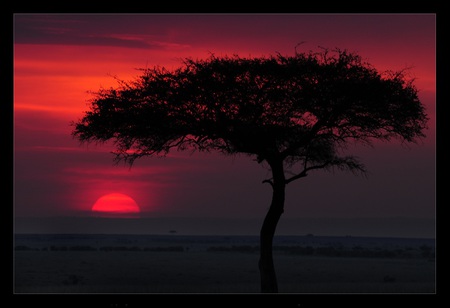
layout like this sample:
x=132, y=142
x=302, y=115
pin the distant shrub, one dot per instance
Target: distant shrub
x=135, y=248
x=241, y=248
x=356, y=251
x=23, y=248
x=82, y=248
x=218, y=248
x=245, y=248
x=329, y=251
x=427, y=251
x=120, y=248
x=170, y=248
x=58, y=248
x=296, y=250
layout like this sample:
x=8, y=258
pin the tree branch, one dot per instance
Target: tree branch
x=268, y=181
x=304, y=172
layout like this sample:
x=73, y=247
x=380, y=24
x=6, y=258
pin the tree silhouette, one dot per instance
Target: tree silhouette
x=294, y=113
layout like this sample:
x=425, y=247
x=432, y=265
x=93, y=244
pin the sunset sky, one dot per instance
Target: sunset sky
x=59, y=59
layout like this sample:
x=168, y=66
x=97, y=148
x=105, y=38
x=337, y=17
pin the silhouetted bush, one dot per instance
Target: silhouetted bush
x=171, y=248
x=218, y=248
x=120, y=248
x=23, y=248
x=427, y=251
x=242, y=248
x=329, y=252
x=296, y=250
x=135, y=248
x=82, y=248
x=357, y=251
x=58, y=248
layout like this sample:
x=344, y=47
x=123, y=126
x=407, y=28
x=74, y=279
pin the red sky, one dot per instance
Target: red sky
x=59, y=58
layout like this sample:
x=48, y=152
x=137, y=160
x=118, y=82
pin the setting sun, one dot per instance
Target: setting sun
x=116, y=204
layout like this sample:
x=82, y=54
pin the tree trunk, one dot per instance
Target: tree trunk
x=266, y=267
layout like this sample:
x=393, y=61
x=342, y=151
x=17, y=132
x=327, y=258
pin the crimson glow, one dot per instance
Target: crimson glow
x=116, y=204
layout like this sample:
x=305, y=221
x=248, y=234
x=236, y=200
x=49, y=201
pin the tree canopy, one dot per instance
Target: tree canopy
x=304, y=107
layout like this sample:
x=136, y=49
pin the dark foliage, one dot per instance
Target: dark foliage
x=302, y=108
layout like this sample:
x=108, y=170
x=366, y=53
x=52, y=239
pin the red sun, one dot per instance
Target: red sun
x=116, y=204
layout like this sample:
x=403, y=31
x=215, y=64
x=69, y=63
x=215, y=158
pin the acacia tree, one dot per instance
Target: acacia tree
x=294, y=113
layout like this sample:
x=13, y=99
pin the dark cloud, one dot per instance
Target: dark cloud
x=79, y=30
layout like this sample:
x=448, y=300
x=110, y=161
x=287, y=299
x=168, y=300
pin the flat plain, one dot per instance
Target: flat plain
x=196, y=264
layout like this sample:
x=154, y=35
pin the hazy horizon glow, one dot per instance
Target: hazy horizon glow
x=60, y=59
